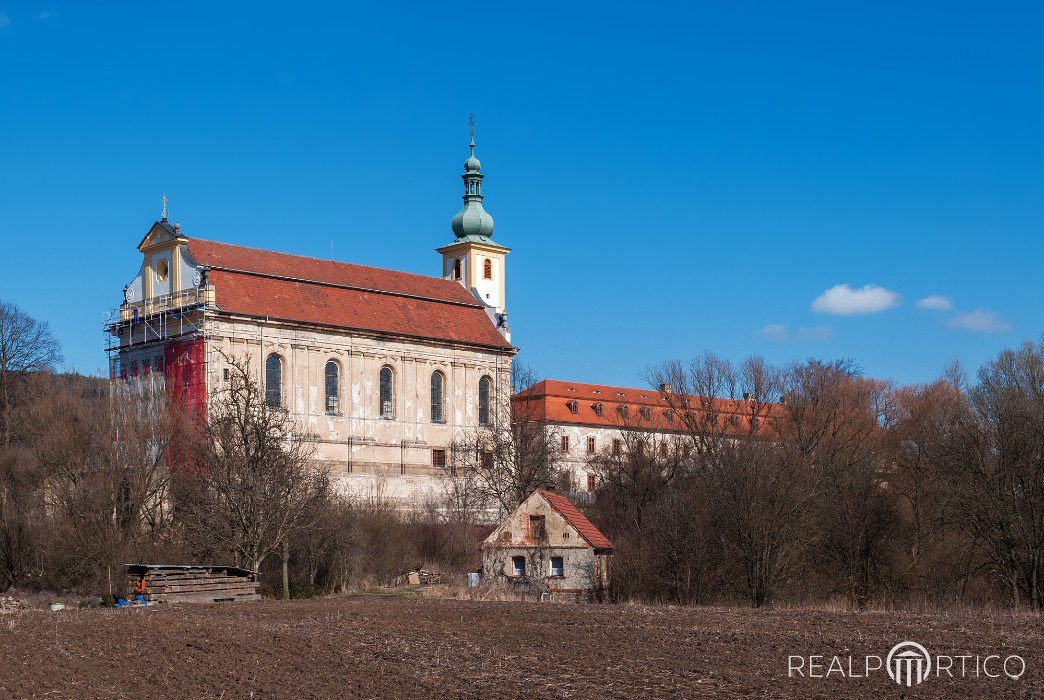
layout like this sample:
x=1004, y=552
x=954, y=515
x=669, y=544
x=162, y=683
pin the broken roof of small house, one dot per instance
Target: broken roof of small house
x=591, y=534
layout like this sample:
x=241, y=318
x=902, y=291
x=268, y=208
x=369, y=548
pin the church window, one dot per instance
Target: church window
x=483, y=400
x=333, y=388
x=438, y=459
x=438, y=381
x=457, y=269
x=162, y=270
x=274, y=381
x=487, y=269
x=386, y=392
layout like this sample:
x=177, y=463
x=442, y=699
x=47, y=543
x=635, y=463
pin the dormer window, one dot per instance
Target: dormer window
x=574, y=407
x=646, y=413
x=624, y=411
x=598, y=409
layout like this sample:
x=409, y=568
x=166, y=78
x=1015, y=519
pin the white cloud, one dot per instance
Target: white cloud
x=980, y=321
x=842, y=300
x=935, y=302
x=46, y=14
x=778, y=333
x=4, y=20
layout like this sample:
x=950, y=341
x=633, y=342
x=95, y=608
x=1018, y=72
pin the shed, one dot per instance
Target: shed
x=549, y=545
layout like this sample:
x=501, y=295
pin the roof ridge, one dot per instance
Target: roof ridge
x=312, y=257
x=338, y=285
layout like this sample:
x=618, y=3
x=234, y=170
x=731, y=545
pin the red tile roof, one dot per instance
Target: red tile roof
x=549, y=401
x=324, y=292
x=591, y=534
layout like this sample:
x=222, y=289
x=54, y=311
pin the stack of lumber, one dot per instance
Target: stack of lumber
x=179, y=583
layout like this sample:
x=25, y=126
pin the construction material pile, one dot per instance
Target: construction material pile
x=10, y=605
x=181, y=583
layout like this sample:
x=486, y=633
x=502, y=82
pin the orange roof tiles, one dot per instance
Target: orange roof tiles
x=646, y=409
x=591, y=534
x=324, y=292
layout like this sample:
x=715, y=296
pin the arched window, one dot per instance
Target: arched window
x=487, y=269
x=485, y=384
x=456, y=269
x=333, y=388
x=598, y=408
x=274, y=381
x=386, y=392
x=437, y=383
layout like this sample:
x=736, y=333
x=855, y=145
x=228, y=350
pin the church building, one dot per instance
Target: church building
x=383, y=369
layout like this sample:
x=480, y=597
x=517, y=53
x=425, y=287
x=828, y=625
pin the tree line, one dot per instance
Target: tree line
x=814, y=482
x=800, y=483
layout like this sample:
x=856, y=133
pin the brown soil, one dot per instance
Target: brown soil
x=370, y=648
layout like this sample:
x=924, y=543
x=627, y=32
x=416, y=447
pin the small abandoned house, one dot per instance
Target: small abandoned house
x=548, y=546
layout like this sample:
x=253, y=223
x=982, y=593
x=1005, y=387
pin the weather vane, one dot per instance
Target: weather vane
x=471, y=123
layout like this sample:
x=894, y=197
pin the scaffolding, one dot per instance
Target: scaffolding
x=158, y=322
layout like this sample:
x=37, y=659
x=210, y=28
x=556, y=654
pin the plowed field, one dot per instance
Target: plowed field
x=372, y=648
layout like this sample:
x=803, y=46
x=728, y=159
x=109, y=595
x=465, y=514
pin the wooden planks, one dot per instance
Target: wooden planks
x=177, y=584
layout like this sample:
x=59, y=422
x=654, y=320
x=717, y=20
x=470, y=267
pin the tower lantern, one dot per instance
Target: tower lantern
x=473, y=257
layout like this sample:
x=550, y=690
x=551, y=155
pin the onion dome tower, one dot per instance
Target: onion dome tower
x=472, y=257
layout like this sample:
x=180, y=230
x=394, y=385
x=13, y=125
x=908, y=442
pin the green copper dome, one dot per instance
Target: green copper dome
x=472, y=221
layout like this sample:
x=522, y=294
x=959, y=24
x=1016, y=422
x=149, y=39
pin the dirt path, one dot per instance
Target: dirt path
x=364, y=648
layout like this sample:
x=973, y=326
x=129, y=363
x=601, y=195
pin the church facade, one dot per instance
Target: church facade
x=383, y=370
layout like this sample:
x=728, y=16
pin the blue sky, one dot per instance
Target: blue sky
x=782, y=179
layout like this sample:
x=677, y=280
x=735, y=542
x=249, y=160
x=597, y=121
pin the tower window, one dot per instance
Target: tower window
x=333, y=388
x=457, y=269
x=483, y=400
x=274, y=381
x=386, y=392
x=438, y=381
x=162, y=270
x=487, y=269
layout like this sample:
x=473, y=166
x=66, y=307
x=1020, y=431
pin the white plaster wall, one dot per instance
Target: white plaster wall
x=368, y=454
x=576, y=459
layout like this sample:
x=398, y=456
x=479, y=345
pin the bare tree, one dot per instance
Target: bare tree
x=254, y=482
x=26, y=345
x=760, y=499
x=514, y=454
x=996, y=469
